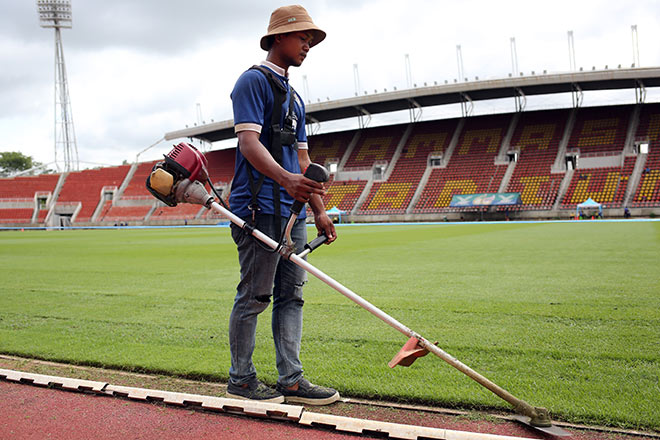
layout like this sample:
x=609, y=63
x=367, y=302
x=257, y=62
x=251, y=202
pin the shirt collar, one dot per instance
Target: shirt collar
x=275, y=68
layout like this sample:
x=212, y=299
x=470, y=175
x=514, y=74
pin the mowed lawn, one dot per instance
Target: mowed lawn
x=562, y=315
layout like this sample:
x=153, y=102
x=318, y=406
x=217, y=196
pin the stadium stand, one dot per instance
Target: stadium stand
x=603, y=185
x=123, y=213
x=136, y=188
x=27, y=187
x=17, y=197
x=536, y=140
x=221, y=165
x=470, y=155
x=471, y=168
x=85, y=187
x=375, y=144
x=600, y=129
x=16, y=215
x=343, y=195
x=329, y=146
x=394, y=195
x=600, y=132
x=648, y=191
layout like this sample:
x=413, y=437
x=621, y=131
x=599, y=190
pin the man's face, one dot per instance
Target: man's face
x=293, y=47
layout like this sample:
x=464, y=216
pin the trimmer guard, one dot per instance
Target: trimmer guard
x=408, y=354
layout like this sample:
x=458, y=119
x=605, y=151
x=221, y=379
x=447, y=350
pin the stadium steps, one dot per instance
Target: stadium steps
x=507, y=177
x=628, y=147
x=420, y=188
x=560, y=165
x=397, y=152
x=363, y=196
x=563, y=188
x=349, y=150
x=635, y=178
x=127, y=180
x=446, y=156
x=501, y=157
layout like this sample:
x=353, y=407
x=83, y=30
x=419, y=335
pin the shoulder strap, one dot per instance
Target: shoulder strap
x=275, y=148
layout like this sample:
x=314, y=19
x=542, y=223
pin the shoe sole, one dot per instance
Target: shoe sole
x=278, y=399
x=310, y=401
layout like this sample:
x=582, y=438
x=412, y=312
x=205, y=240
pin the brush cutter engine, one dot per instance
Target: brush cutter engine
x=180, y=177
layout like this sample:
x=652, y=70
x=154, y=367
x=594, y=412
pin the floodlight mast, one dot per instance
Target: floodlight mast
x=56, y=14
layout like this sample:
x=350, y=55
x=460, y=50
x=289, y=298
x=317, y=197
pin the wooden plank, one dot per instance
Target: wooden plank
x=55, y=381
x=393, y=430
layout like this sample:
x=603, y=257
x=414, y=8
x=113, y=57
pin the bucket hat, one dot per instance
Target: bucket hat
x=292, y=18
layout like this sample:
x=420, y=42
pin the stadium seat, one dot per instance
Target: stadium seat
x=647, y=193
x=471, y=168
x=394, y=195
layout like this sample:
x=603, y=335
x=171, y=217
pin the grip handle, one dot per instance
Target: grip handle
x=315, y=172
x=318, y=241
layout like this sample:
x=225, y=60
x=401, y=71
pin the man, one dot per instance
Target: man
x=272, y=152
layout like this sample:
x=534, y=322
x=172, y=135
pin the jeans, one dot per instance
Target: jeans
x=265, y=274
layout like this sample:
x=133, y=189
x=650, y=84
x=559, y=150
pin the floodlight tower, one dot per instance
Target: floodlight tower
x=56, y=14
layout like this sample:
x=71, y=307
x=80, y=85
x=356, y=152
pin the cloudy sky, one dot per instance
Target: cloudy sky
x=138, y=68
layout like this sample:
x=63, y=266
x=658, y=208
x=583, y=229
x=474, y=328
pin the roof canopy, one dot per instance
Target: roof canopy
x=451, y=94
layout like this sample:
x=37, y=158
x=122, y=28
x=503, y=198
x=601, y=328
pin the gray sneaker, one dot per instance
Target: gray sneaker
x=255, y=390
x=309, y=393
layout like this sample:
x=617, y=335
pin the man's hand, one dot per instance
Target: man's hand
x=301, y=188
x=324, y=225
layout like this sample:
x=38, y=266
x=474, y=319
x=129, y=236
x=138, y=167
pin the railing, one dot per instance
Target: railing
x=16, y=199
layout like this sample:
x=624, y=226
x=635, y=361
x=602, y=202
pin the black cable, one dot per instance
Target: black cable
x=222, y=202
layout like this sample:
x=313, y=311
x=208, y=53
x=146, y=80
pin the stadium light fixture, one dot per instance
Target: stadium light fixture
x=56, y=14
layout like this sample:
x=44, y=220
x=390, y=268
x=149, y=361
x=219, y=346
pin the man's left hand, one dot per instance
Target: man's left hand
x=324, y=225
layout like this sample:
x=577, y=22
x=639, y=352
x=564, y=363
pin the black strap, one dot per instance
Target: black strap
x=280, y=93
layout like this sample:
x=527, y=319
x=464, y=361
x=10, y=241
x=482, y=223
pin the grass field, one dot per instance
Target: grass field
x=563, y=315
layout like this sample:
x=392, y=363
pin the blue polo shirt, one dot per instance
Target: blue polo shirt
x=252, y=100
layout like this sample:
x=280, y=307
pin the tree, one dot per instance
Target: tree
x=14, y=161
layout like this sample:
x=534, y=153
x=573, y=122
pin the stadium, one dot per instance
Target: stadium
x=524, y=243
x=554, y=159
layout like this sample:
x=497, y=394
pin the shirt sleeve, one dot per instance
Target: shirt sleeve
x=248, y=102
x=301, y=130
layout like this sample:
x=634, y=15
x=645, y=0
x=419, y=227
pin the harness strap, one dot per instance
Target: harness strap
x=275, y=148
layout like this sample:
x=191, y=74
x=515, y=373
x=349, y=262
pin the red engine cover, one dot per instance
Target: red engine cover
x=190, y=159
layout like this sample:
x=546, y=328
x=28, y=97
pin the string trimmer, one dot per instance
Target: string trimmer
x=181, y=178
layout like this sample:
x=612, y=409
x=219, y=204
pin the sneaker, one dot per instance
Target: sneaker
x=255, y=390
x=309, y=393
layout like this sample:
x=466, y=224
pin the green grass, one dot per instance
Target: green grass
x=564, y=315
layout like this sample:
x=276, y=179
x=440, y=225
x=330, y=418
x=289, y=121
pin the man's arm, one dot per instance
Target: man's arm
x=298, y=186
x=321, y=220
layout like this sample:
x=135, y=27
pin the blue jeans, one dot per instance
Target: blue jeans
x=265, y=274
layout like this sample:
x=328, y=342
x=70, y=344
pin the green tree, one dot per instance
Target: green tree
x=14, y=161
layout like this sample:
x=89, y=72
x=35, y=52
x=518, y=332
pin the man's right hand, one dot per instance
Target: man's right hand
x=301, y=188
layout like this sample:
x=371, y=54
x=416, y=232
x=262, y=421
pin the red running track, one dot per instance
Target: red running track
x=34, y=413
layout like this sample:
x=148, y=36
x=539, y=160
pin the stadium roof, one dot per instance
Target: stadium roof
x=451, y=94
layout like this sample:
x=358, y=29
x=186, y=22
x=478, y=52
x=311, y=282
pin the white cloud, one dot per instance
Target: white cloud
x=138, y=69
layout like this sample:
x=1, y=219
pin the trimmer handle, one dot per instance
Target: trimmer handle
x=315, y=172
x=318, y=241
